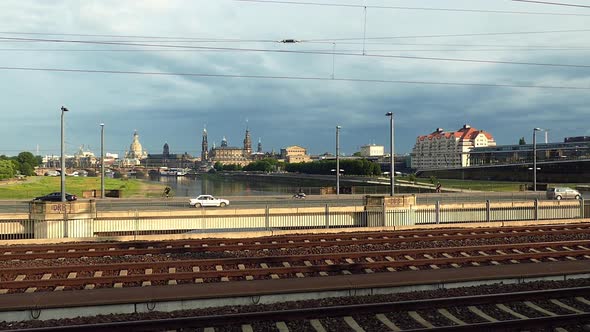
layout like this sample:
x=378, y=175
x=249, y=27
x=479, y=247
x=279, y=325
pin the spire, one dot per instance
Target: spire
x=259, y=149
x=247, y=143
x=204, y=147
x=166, y=150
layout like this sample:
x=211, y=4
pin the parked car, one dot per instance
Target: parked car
x=55, y=197
x=563, y=193
x=208, y=200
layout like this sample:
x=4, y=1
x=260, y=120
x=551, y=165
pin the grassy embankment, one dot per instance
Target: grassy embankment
x=41, y=185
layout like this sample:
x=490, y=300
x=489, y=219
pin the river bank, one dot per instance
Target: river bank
x=35, y=186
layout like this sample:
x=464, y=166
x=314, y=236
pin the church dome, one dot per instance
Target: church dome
x=136, y=150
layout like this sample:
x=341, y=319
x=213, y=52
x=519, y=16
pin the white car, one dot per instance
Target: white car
x=208, y=200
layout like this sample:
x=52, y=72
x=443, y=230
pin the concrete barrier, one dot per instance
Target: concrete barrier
x=81, y=220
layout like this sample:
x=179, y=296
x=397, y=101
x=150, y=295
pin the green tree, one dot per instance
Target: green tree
x=26, y=169
x=521, y=141
x=232, y=167
x=264, y=165
x=218, y=166
x=26, y=163
x=27, y=157
x=7, y=169
x=349, y=167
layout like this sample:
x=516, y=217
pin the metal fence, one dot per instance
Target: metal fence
x=269, y=218
x=17, y=229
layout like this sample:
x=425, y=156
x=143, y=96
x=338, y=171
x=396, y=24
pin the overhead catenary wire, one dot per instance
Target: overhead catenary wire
x=505, y=49
x=449, y=35
x=160, y=38
x=408, y=57
x=170, y=39
x=300, y=78
x=554, y=3
x=344, y=5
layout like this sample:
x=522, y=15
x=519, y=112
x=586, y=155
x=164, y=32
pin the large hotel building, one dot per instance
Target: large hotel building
x=441, y=149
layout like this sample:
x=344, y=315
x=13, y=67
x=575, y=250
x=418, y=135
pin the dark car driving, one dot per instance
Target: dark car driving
x=55, y=197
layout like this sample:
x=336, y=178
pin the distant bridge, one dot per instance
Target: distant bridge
x=516, y=164
x=551, y=171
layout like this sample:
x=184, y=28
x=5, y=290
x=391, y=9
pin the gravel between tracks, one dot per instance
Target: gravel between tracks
x=332, y=324
x=508, y=239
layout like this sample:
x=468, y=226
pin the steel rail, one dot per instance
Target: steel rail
x=279, y=271
x=357, y=309
x=26, y=253
x=292, y=258
x=360, y=234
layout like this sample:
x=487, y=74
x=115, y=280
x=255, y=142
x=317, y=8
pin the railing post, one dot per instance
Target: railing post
x=437, y=212
x=582, y=212
x=327, y=216
x=136, y=225
x=384, y=215
x=536, y=208
x=488, y=211
x=266, y=218
x=65, y=223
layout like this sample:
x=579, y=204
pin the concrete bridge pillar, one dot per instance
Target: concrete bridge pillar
x=62, y=219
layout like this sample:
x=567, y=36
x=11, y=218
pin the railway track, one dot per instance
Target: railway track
x=54, y=278
x=86, y=266
x=561, y=309
x=422, y=237
x=162, y=271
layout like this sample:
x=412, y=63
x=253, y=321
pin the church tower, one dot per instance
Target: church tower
x=204, y=147
x=166, y=151
x=247, y=144
x=259, y=150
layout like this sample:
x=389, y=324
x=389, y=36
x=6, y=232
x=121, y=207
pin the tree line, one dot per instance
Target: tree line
x=23, y=164
x=347, y=166
x=263, y=165
x=326, y=167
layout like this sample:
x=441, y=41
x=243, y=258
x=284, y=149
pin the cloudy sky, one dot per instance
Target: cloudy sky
x=169, y=68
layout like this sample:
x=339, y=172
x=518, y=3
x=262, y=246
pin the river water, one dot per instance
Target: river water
x=220, y=185
x=242, y=186
x=224, y=186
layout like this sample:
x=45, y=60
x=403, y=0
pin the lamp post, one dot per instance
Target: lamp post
x=535, y=158
x=102, y=160
x=338, y=160
x=63, y=159
x=391, y=161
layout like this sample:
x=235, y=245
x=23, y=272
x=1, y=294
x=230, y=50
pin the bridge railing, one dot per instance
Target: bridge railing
x=271, y=219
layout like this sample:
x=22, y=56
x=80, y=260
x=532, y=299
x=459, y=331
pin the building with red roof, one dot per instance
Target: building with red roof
x=441, y=149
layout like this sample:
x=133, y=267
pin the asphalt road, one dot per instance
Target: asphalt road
x=180, y=203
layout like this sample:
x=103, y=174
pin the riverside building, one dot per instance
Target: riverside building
x=441, y=149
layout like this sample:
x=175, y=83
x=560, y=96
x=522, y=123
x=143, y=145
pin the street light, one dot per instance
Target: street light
x=338, y=160
x=102, y=160
x=535, y=130
x=63, y=160
x=391, y=161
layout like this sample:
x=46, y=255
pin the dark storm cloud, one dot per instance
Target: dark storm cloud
x=175, y=109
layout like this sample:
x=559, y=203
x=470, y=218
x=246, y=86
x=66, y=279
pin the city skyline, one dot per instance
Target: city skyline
x=170, y=68
x=196, y=151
